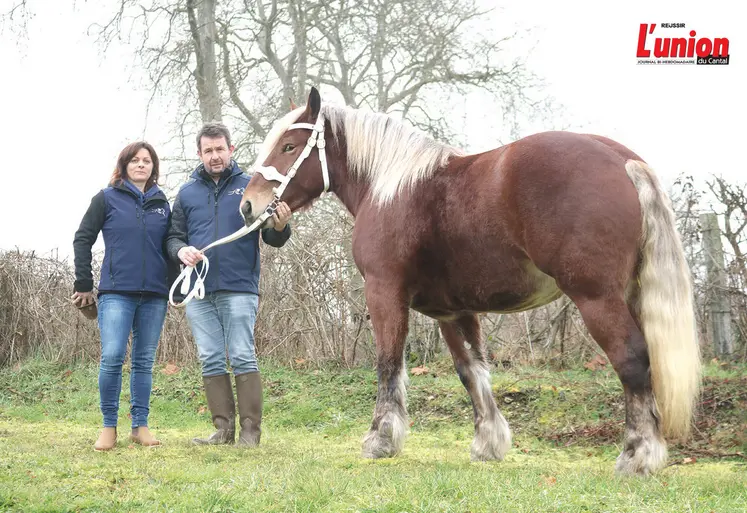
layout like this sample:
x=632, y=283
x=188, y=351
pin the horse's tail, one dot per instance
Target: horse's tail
x=664, y=307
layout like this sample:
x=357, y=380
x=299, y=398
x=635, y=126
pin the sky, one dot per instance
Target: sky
x=68, y=109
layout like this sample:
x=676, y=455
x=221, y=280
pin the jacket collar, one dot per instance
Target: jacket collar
x=231, y=171
x=128, y=187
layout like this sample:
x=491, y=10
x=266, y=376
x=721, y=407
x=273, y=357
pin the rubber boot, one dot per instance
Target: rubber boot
x=249, y=397
x=219, y=393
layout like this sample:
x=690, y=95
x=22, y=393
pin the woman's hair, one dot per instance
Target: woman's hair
x=126, y=155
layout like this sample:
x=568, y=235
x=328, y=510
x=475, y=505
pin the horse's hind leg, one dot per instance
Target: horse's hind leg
x=386, y=437
x=610, y=322
x=492, y=434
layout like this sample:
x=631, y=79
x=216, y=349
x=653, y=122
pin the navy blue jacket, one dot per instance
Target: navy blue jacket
x=134, y=227
x=205, y=212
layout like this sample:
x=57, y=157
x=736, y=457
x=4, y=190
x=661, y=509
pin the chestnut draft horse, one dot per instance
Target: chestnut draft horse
x=451, y=235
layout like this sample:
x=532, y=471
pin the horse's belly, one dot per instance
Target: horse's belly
x=527, y=289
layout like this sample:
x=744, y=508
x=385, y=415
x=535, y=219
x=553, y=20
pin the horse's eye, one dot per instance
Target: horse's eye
x=287, y=148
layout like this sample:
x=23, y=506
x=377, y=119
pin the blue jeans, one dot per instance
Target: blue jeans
x=118, y=315
x=220, y=321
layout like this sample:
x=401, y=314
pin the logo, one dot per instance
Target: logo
x=240, y=190
x=680, y=47
x=161, y=211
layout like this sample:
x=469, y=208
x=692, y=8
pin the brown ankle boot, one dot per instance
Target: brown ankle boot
x=142, y=435
x=107, y=439
x=219, y=393
x=249, y=396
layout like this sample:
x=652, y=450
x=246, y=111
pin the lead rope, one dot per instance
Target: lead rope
x=199, y=289
x=270, y=174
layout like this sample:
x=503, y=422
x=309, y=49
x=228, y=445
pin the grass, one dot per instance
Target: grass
x=566, y=431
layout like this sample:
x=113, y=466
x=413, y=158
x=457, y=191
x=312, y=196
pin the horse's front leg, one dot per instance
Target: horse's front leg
x=389, y=316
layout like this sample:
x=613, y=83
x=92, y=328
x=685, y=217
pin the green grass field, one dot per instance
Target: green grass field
x=566, y=427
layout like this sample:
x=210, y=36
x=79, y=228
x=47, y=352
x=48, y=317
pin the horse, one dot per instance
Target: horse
x=454, y=235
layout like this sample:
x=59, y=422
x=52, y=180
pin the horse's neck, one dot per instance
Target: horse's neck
x=352, y=194
x=350, y=191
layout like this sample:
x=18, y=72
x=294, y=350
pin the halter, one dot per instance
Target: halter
x=270, y=173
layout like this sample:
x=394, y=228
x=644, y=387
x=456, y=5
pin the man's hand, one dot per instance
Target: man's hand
x=81, y=299
x=281, y=216
x=189, y=255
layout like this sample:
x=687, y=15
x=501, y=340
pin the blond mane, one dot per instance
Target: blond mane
x=386, y=152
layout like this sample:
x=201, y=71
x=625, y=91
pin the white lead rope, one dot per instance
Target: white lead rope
x=199, y=289
x=270, y=174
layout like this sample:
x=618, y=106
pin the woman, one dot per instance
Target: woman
x=133, y=214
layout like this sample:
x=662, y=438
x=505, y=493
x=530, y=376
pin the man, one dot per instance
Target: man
x=206, y=209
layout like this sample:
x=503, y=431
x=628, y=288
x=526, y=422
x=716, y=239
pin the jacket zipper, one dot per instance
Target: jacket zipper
x=217, y=261
x=111, y=260
x=216, y=191
x=145, y=233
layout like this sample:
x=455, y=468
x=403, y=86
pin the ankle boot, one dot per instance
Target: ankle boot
x=249, y=396
x=142, y=435
x=219, y=393
x=107, y=439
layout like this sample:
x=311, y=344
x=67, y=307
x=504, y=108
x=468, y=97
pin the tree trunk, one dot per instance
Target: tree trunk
x=202, y=27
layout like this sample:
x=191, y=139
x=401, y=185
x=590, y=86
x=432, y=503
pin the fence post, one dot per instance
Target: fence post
x=717, y=299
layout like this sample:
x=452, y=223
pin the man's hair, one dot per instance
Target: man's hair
x=213, y=131
x=126, y=155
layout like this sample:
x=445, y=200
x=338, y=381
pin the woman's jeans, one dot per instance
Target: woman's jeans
x=220, y=321
x=118, y=315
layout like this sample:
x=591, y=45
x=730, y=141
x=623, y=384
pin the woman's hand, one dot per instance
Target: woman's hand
x=82, y=299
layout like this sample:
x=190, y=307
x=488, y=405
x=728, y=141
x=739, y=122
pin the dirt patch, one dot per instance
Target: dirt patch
x=603, y=433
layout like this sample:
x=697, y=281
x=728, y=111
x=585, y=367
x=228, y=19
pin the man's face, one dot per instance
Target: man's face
x=215, y=154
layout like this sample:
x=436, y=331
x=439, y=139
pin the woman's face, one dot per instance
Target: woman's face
x=140, y=167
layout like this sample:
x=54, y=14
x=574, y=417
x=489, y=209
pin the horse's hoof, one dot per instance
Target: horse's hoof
x=492, y=441
x=385, y=442
x=375, y=446
x=644, y=458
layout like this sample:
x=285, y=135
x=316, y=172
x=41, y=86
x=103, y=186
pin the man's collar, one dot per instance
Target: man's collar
x=226, y=173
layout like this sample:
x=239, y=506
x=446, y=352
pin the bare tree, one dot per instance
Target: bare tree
x=16, y=17
x=733, y=201
x=241, y=60
x=405, y=57
x=203, y=32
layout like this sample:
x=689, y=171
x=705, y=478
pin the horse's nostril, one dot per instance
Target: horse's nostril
x=246, y=208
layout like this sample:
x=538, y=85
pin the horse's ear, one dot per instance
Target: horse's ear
x=293, y=105
x=315, y=102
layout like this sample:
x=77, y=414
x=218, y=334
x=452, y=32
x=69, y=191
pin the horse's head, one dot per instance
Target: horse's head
x=291, y=163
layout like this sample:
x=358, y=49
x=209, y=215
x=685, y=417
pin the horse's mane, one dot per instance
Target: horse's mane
x=384, y=151
x=388, y=153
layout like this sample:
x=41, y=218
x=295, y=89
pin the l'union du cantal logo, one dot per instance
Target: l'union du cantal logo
x=681, y=46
